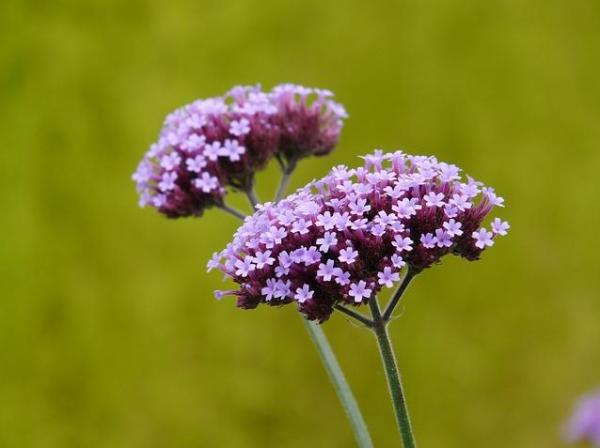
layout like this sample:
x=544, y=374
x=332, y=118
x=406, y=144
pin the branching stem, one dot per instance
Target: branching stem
x=387, y=314
x=354, y=315
x=231, y=211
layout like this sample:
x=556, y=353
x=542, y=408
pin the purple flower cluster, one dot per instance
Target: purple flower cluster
x=584, y=425
x=213, y=143
x=309, y=121
x=344, y=237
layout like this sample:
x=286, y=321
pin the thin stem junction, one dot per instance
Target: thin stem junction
x=287, y=170
x=354, y=315
x=250, y=193
x=387, y=314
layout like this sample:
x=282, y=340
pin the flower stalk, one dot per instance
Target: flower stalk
x=337, y=377
x=251, y=195
x=287, y=171
x=387, y=314
x=354, y=315
x=392, y=374
x=232, y=211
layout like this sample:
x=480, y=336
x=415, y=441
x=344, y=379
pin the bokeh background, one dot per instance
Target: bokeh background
x=109, y=333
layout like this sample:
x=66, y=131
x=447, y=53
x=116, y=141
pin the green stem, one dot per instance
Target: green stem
x=340, y=384
x=285, y=179
x=252, y=197
x=232, y=211
x=398, y=295
x=354, y=315
x=392, y=374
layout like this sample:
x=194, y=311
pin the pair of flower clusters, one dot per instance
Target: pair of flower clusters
x=218, y=142
x=344, y=237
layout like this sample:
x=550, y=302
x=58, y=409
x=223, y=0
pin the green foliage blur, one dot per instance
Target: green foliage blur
x=109, y=333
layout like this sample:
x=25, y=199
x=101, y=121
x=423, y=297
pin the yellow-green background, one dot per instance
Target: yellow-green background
x=109, y=333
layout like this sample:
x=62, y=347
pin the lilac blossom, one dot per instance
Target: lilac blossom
x=388, y=277
x=328, y=270
x=348, y=255
x=342, y=277
x=428, y=241
x=196, y=164
x=341, y=239
x=359, y=291
x=434, y=199
x=452, y=227
x=268, y=291
x=263, y=258
x=443, y=238
x=243, y=267
x=224, y=141
x=232, y=150
x=311, y=256
x=239, y=127
x=303, y=294
x=584, y=425
x=397, y=261
x=500, y=227
x=206, y=183
x=483, y=238
x=327, y=241
x=167, y=181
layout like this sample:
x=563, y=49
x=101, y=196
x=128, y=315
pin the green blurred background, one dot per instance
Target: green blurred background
x=109, y=333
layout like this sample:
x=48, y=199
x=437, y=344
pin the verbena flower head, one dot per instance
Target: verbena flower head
x=344, y=237
x=309, y=120
x=213, y=143
x=584, y=425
